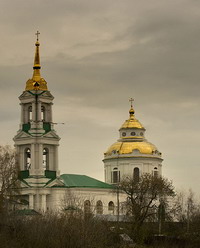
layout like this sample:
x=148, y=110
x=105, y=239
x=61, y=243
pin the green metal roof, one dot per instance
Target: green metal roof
x=82, y=181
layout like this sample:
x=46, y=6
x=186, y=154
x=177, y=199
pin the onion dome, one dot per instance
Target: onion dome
x=132, y=142
x=36, y=82
x=132, y=122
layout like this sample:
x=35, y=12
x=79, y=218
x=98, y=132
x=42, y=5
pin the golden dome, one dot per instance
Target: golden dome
x=128, y=147
x=40, y=84
x=131, y=140
x=37, y=82
x=132, y=122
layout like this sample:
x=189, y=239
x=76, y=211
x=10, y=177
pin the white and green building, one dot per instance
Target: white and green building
x=37, y=143
x=43, y=188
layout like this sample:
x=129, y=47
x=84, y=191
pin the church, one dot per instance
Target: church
x=43, y=188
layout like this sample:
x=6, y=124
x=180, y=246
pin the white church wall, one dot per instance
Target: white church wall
x=60, y=198
x=126, y=166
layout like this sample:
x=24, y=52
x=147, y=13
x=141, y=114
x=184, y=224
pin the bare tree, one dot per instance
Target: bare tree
x=144, y=197
x=186, y=201
x=9, y=182
x=188, y=209
x=77, y=204
x=178, y=207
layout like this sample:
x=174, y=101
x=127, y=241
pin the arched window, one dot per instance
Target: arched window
x=87, y=207
x=111, y=206
x=43, y=114
x=30, y=114
x=46, y=159
x=136, y=174
x=115, y=175
x=99, y=207
x=27, y=161
x=155, y=172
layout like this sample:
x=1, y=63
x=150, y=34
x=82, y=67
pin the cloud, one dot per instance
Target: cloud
x=95, y=55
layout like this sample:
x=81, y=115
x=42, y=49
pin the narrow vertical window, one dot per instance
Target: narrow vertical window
x=45, y=159
x=99, y=207
x=43, y=117
x=27, y=154
x=111, y=206
x=30, y=114
x=115, y=175
x=87, y=207
x=155, y=172
x=136, y=174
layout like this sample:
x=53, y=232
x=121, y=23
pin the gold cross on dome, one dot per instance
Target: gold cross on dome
x=131, y=100
x=37, y=34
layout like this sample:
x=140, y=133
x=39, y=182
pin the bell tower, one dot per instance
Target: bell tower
x=36, y=140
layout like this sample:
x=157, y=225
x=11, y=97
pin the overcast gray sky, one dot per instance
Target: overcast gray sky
x=95, y=55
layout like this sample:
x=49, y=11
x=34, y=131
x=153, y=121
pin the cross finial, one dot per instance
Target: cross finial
x=37, y=34
x=131, y=100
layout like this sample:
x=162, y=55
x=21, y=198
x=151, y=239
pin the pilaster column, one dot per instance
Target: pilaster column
x=40, y=157
x=21, y=158
x=56, y=159
x=37, y=202
x=34, y=112
x=50, y=113
x=31, y=201
x=22, y=113
x=32, y=157
x=39, y=111
x=44, y=203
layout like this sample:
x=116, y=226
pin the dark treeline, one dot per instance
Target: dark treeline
x=55, y=231
x=75, y=231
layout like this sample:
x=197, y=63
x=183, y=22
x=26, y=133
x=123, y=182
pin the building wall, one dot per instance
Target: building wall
x=127, y=165
x=59, y=199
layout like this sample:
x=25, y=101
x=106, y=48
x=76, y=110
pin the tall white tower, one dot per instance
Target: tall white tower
x=36, y=141
x=132, y=154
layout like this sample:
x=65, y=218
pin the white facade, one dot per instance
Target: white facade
x=60, y=198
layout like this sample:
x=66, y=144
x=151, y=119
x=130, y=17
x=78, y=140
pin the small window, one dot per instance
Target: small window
x=123, y=134
x=87, y=207
x=46, y=159
x=141, y=133
x=30, y=114
x=27, y=159
x=133, y=133
x=155, y=172
x=115, y=175
x=111, y=206
x=99, y=207
x=43, y=113
x=136, y=174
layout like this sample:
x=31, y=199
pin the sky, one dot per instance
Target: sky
x=95, y=55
